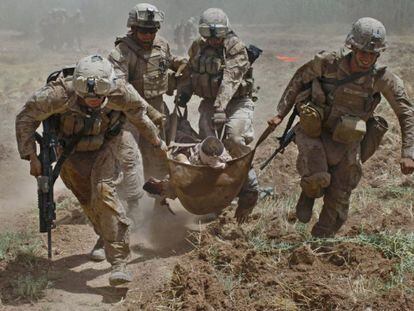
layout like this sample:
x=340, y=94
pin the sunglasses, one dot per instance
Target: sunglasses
x=146, y=30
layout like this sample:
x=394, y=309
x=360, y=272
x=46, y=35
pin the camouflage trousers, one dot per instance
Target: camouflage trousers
x=155, y=165
x=93, y=178
x=238, y=135
x=130, y=188
x=330, y=170
x=150, y=162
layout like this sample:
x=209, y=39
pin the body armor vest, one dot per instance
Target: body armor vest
x=356, y=99
x=207, y=73
x=148, y=68
x=107, y=123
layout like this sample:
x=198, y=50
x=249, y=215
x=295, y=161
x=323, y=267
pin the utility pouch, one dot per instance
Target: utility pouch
x=349, y=129
x=376, y=128
x=155, y=84
x=90, y=143
x=311, y=116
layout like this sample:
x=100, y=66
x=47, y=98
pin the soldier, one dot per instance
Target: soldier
x=190, y=31
x=179, y=37
x=76, y=22
x=221, y=75
x=143, y=59
x=335, y=95
x=91, y=106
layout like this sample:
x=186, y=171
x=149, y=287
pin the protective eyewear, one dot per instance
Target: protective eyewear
x=150, y=15
x=150, y=30
x=92, y=87
x=213, y=31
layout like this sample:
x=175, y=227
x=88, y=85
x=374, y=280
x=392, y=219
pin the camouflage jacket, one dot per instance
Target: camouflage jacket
x=219, y=74
x=59, y=98
x=353, y=98
x=146, y=70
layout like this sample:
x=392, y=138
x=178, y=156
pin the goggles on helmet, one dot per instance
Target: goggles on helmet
x=150, y=15
x=92, y=87
x=213, y=31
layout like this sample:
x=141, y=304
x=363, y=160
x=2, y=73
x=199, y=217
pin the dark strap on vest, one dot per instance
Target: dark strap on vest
x=348, y=79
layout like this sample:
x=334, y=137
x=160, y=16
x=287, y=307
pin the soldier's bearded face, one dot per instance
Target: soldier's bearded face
x=365, y=60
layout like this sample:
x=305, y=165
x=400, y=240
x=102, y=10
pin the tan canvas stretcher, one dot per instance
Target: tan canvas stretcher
x=202, y=189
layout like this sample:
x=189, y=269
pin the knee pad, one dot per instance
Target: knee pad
x=248, y=199
x=314, y=185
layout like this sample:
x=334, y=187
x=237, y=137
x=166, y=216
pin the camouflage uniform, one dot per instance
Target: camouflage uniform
x=223, y=77
x=330, y=168
x=92, y=171
x=147, y=71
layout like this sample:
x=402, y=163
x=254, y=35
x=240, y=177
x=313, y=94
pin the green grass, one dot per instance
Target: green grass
x=24, y=245
x=30, y=287
x=27, y=277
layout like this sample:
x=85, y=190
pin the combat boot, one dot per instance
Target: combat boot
x=98, y=252
x=119, y=274
x=304, y=208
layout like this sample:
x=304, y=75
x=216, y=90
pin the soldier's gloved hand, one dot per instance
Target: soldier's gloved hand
x=219, y=117
x=182, y=99
x=162, y=147
x=407, y=166
x=242, y=214
x=35, y=166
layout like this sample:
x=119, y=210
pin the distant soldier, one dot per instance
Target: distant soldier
x=336, y=95
x=179, y=37
x=76, y=22
x=190, y=31
x=90, y=107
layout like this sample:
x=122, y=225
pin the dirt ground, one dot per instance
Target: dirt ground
x=268, y=264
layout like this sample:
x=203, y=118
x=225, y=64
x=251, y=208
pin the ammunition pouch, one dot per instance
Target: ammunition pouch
x=311, y=117
x=376, y=129
x=349, y=129
x=90, y=143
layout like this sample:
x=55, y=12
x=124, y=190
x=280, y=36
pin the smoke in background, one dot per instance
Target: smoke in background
x=109, y=16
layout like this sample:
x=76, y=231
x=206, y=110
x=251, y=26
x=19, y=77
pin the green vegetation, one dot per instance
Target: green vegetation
x=30, y=287
x=20, y=259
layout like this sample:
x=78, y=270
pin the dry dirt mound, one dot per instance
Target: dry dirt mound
x=231, y=270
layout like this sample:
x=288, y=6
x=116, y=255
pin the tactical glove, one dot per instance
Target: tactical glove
x=219, y=118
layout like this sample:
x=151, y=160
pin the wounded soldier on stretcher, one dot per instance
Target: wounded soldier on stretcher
x=210, y=152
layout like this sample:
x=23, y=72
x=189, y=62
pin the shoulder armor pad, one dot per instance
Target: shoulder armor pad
x=160, y=42
x=234, y=45
x=328, y=57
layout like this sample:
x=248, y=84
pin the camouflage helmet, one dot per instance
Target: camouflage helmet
x=367, y=34
x=145, y=15
x=93, y=76
x=213, y=23
x=212, y=147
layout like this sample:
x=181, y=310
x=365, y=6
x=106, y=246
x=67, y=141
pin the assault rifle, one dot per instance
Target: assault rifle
x=47, y=208
x=287, y=137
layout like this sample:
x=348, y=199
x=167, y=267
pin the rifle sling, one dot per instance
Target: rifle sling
x=347, y=79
